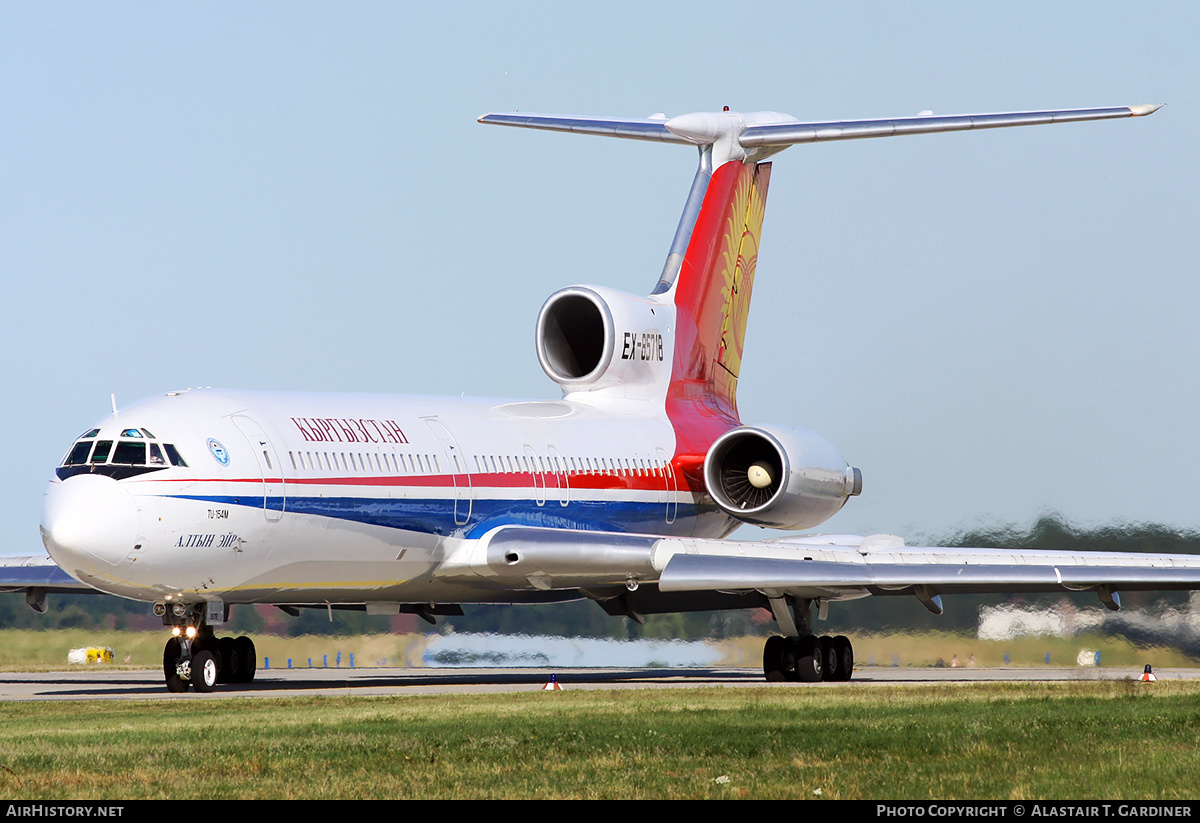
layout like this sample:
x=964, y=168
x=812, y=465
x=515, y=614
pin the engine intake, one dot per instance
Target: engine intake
x=591, y=338
x=779, y=477
x=575, y=336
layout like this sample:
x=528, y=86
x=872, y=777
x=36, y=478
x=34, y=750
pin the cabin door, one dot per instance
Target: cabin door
x=274, y=488
x=459, y=474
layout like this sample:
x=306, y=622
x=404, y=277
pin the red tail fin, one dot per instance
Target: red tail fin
x=712, y=292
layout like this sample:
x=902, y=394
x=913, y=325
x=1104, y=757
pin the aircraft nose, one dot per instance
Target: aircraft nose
x=89, y=523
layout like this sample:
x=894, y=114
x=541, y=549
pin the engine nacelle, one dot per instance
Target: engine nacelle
x=778, y=477
x=591, y=338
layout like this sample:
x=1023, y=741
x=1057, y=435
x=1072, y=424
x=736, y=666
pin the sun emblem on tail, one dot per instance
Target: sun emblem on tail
x=740, y=253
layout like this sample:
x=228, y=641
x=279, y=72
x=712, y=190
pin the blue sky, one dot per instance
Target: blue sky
x=297, y=196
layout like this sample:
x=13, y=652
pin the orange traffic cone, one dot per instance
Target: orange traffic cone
x=1148, y=676
x=552, y=685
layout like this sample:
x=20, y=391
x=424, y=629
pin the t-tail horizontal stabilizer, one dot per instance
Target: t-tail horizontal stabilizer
x=756, y=135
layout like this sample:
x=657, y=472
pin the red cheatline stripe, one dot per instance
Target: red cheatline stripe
x=513, y=481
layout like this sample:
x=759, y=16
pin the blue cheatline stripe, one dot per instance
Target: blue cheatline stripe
x=436, y=516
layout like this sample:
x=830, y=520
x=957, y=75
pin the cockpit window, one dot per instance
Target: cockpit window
x=79, y=454
x=121, y=459
x=129, y=453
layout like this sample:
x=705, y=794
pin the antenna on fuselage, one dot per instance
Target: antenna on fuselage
x=113, y=398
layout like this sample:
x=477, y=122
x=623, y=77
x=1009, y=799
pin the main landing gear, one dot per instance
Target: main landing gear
x=808, y=659
x=195, y=657
x=802, y=657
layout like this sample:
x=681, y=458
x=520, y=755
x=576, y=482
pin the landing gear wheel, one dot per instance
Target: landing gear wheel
x=809, y=662
x=171, y=653
x=845, y=658
x=227, y=649
x=773, y=659
x=829, y=658
x=247, y=660
x=791, y=653
x=204, y=671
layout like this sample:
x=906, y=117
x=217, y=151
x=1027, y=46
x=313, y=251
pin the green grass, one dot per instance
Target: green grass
x=1111, y=739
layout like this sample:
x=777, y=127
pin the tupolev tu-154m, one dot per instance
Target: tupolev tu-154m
x=624, y=491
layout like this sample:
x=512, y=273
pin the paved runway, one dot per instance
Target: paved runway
x=99, y=684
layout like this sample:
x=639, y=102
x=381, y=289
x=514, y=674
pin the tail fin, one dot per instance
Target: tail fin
x=710, y=269
x=713, y=288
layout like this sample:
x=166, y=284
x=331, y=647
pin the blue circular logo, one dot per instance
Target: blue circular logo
x=218, y=451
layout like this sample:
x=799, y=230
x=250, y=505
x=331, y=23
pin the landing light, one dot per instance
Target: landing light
x=179, y=610
x=176, y=631
x=191, y=632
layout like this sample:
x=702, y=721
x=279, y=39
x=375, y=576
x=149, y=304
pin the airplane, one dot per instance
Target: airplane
x=624, y=491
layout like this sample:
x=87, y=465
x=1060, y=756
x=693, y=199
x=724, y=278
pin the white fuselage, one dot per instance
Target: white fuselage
x=314, y=498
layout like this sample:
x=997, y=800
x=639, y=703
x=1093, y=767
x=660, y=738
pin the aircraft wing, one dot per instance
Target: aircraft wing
x=938, y=570
x=834, y=567
x=37, y=576
x=38, y=571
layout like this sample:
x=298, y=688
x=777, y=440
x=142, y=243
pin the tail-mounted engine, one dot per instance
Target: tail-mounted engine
x=591, y=338
x=779, y=477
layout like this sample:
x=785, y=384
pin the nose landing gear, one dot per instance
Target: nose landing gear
x=195, y=657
